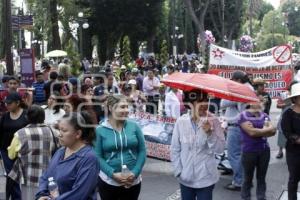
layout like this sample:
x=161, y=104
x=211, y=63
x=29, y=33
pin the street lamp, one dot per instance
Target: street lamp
x=81, y=23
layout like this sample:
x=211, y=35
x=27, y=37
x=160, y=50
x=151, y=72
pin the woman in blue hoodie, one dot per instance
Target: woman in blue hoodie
x=119, y=144
x=74, y=167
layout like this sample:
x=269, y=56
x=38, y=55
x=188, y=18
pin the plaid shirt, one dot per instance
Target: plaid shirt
x=35, y=153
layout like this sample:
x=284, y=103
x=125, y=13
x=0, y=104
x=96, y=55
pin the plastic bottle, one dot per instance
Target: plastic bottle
x=266, y=123
x=53, y=188
x=125, y=172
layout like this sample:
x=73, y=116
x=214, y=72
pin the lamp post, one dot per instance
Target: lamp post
x=81, y=23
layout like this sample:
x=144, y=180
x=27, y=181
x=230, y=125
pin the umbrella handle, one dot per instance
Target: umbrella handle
x=208, y=108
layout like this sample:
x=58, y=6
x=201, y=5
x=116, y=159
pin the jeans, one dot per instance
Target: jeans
x=13, y=189
x=258, y=161
x=234, y=153
x=188, y=193
x=293, y=162
x=110, y=192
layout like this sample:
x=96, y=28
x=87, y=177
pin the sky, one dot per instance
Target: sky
x=275, y=3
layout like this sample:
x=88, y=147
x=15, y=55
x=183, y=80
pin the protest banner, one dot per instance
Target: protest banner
x=273, y=65
x=157, y=131
x=27, y=66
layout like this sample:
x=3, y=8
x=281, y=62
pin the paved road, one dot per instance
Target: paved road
x=159, y=183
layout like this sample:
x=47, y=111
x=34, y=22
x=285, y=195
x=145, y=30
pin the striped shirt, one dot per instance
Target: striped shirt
x=39, y=93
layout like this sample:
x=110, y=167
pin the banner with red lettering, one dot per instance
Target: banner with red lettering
x=273, y=65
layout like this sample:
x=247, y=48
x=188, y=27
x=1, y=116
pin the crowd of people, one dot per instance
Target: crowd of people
x=75, y=133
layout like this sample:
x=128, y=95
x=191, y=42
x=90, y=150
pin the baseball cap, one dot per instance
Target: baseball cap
x=73, y=81
x=132, y=82
x=12, y=97
x=123, y=67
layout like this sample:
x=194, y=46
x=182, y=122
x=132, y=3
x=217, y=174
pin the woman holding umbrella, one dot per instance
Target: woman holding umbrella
x=197, y=136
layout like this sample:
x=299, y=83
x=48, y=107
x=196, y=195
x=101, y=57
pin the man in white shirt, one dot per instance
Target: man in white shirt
x=151, y=89
x=172, y=104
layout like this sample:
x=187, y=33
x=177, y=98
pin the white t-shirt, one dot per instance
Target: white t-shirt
x=51, y=118
x=172, y=105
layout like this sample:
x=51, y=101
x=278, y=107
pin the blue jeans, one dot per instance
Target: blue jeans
x=234, y=153
x=13, y=189
x=188, y=193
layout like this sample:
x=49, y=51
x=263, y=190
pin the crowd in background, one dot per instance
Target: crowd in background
x=87, y=116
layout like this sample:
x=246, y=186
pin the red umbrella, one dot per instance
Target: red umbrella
x=212, y=84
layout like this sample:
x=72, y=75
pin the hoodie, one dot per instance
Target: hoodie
x=115, y=149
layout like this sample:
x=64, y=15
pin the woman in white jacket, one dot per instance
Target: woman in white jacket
x=197, y=136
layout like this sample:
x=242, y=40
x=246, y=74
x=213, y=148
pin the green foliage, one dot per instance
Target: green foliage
x=113, y=19
x=74, y=58
x=273, y=22
x=292, y=16
x=164, y=53
x=255, y=28
x=264, y=9
x=269, y=40
x=126, y=57
x=1, y=31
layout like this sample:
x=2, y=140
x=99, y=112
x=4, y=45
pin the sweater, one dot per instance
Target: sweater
x=76, y=176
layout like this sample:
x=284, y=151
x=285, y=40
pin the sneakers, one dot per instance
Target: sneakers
x=232, y=187
x=279, y=155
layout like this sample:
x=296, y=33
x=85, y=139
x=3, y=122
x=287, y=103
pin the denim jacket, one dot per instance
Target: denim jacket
x=193, y=152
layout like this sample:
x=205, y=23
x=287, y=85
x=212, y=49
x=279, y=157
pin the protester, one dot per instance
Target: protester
x=172, y=104
x=119, y=142
x=32, y=146
x=197, y=136
x=74, y=167
x=255, y=128
x=139, y=78
x=53, y=110
x=39, y=93
x=232, y=112
x=137, y=97
x=259, y=85
x=290, y=124
x=50, y=85
x=151, y=86
x=64, y=69
x=13, y=120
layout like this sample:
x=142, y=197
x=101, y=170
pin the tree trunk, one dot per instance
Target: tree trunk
x=2, y=23
x=150, y=44
x=55, y=42
x=87, y=44
x=134, y=47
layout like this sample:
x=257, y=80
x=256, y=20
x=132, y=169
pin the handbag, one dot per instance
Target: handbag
x=3, y=179
x=54, y=141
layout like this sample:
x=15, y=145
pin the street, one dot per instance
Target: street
x=159, y=183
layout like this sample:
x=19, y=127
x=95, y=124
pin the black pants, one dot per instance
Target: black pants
x=110, y=192
x=250, y=162
x=293, y=162
x=152, y=104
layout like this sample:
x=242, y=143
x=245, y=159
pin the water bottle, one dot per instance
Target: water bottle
x=53, y=188
x=125, y=172
x=266, y=123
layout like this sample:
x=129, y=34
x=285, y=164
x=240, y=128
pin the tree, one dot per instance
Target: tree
x=125, y=54
x=164, y=55
x=233, y=11
x=198, y=11
x=291, y=10
x=54, y=41
x=1, y=30
x=273, y=22
x=269, y=40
